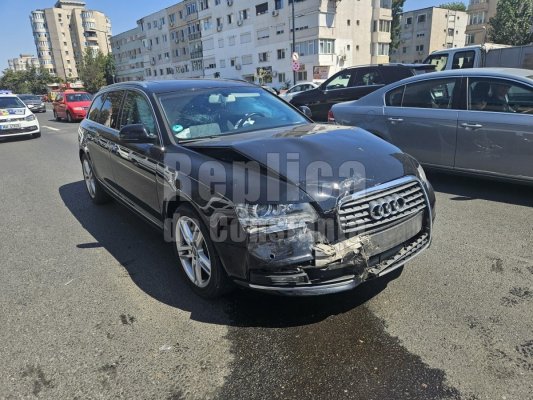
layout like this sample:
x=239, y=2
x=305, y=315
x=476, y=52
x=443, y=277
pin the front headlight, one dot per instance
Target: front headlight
x=30, y=117
x=422, y=174
x=268, y=218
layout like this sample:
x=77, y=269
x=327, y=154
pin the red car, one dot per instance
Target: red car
x=71, y=105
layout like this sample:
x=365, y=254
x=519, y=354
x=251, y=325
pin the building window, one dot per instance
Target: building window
x=419, y=47
x=451, y=31
x=281, y=77
x=261, y=9
x=247, y=59
x=404, y=50
x=230, y=18
x=263, y=33
x=477, y=18
x=246, y=37
x=243, y=14
x=326, y=46
x=421, y=18
x=231, y=41
x=301, y=76
x=382, y=49
x=408, y=20
x=263, y=56
x=281, y=54
x=384, y=25
x=278, y=4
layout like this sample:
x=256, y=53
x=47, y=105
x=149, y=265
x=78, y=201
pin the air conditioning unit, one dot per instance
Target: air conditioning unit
x=275, y=13
x=239, y=22
x=171, y=23
x=238, y=66
x=230, y=3
x=219, y=28
x=342, y=57
x=274, y=74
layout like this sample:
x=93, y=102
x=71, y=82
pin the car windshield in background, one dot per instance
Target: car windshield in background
x=29, y=97
x=438, y=60
x=11, y=102
x=195, y=114
x=78, y=97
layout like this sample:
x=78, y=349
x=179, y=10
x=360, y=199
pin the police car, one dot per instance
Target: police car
x=16, y=119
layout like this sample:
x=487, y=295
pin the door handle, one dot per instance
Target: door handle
x=395, y=120
x=469, y=126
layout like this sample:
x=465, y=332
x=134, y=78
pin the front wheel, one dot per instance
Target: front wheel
x=36, y=135
x=197, y=256
x=69, y=117
x=96, y=191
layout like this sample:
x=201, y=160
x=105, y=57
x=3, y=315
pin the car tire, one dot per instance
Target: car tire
x=197, y=258
x=69, y=117
x=96, y=192
x=56, y=117
x=36, y=135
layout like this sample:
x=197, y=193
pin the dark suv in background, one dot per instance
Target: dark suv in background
x=353, y=83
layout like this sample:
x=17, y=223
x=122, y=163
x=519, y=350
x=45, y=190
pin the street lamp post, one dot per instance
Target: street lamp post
x=293, y=41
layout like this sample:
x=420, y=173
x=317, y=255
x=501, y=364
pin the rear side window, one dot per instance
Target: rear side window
x=463, y=59
x=438, y=60
x=95, y=108
x=434, y=93
x=109, y=113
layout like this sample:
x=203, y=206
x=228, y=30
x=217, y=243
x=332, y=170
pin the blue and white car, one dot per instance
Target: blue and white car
x=16, y=119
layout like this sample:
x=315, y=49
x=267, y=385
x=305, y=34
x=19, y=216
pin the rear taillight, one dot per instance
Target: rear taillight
x=331, y=117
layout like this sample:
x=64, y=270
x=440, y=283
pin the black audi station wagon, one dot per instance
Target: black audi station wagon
x=250, y=191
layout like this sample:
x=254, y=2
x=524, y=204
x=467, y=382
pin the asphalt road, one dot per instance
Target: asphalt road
x=92, y=306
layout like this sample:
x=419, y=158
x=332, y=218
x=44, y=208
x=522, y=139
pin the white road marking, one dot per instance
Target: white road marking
x=52, y=129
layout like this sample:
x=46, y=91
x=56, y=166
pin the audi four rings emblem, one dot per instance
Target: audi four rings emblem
x=386, y=206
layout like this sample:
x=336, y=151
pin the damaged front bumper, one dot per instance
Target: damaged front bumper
x=343, y=265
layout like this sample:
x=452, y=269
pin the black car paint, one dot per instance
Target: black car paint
x=142, y=175
x=320, y=100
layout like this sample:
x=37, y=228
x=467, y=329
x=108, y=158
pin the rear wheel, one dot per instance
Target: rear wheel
x=197, y=256
x=96, y=191
x=69, y=117
x=56, y=117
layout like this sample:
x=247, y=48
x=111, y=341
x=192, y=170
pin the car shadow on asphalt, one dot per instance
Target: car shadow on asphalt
x=465, y=188
x=150, y=263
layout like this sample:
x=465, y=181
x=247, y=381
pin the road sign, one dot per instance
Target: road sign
x=295, y=56
x=295, y=66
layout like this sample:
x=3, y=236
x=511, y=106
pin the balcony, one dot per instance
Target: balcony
x=195, y=36
x=197, y=54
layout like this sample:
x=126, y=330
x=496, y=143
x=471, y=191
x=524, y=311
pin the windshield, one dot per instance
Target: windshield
x=26, y=97
x=438, y=60
x=11, y=102
x=74, y=97
x=196, y=114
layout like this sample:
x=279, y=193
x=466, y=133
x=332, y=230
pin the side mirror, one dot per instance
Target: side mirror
x=307, y=111
x=135, y=133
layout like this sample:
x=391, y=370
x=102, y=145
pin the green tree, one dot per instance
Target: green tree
x=397, y=10
x=29, y=81
x=110, y=68
x=92, y=70
x=512, y=23
x=454, y=5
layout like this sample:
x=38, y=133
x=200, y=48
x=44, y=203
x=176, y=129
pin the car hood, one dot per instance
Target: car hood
x=324, y=161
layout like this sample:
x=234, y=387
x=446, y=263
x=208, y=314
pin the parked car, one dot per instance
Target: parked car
x=16, y=119
x=71, y=105
x=33, y=102
x=298, y=88
x=353, y=83
x=476, y=121
x=238, y=180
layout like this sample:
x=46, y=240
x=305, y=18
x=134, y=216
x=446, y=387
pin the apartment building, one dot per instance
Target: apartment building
x=253, y=40
x=23, y=62
x=127, y=53
x=428, y=29
x=479, y=14
x=63, y=32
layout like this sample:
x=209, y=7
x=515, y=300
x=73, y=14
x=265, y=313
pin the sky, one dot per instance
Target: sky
x=16, y=34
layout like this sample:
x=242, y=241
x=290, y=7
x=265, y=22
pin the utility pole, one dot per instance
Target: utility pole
x=293, y=41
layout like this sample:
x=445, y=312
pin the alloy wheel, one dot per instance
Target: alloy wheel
x=192, y=251
x=89, y=178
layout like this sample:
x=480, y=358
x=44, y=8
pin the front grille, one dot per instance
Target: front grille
x=12, y=119
x=354, y=210
x=17, y=130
